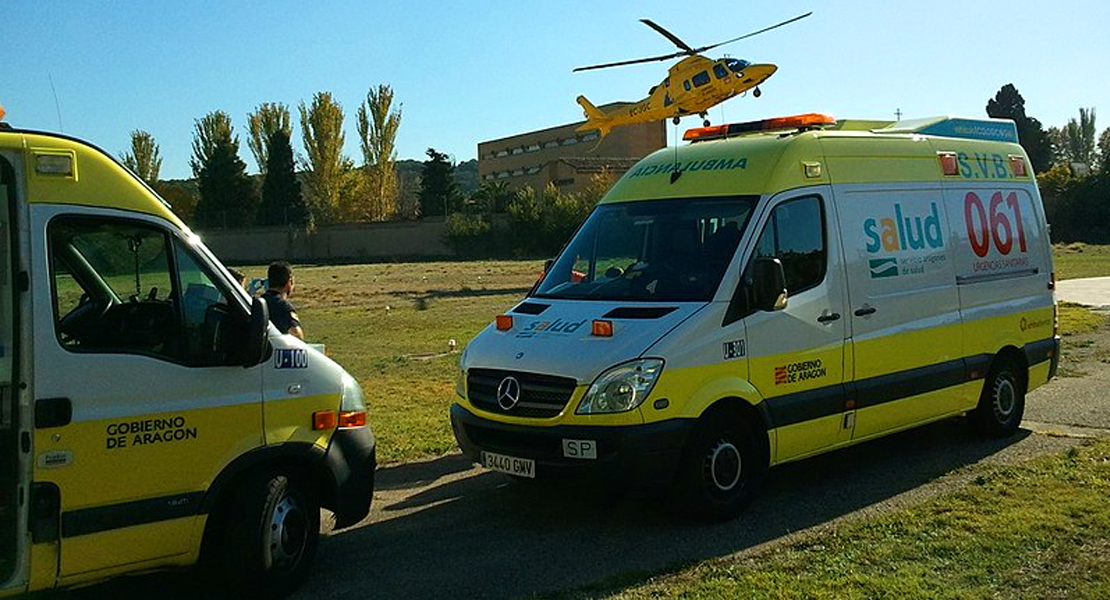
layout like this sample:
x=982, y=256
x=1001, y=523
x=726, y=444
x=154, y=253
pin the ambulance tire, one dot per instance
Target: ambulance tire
x=721, y=469
x=271, y=533
x=1002, y=402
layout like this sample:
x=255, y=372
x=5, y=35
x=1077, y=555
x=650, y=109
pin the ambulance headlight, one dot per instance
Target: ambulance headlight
x=622, y=388
x=353, y=401
x=460, y=376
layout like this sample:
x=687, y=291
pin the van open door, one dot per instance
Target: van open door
x=10, y=464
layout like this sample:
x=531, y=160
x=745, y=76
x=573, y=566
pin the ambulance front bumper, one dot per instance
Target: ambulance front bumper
x=351, y=458
x=644, y=454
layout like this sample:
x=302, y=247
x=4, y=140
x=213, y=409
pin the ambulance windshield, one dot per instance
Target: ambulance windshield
x=657, y=250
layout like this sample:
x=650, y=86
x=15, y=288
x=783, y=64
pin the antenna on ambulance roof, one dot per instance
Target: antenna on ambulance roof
x=57, y=106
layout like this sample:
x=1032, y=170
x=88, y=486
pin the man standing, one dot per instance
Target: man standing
x=282, y=313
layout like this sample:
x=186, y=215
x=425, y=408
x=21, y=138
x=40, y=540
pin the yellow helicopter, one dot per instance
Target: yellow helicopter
x=693, y=85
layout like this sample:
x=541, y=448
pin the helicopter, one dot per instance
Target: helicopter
x=693, y=85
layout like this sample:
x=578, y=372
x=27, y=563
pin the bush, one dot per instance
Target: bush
x=470, y=236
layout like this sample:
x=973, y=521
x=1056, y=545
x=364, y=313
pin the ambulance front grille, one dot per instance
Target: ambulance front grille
x=541, y=396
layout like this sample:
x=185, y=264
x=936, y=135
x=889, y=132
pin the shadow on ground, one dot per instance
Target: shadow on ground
x=484, y=536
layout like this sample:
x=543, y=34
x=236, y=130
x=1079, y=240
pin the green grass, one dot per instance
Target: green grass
x=996, y=537
x=1076, y=319
x=1078, y=260
x=389, y=326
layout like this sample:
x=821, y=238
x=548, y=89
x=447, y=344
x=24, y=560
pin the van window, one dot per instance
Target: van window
x=666, y=250
x=116, y=290
x=700, y=79
x=795, y=234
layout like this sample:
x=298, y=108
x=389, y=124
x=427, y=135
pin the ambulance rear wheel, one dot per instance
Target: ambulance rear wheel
x=271, y=534
x=1002, y=402
x=721, y=467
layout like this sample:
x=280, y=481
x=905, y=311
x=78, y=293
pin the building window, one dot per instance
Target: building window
x=551, y=144
x=502, y=174
x=501, y=153
x=518, y=172
x=518, y=151
x=564, y=182
x=589, y=137
x=532, y=148
x=533, y=170
x=570, y=141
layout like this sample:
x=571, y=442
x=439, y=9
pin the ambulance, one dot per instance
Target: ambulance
x=150, y=416
x=768, y=292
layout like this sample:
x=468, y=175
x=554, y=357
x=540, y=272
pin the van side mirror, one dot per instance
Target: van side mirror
x=257, y=342
x=547, y=264
x=769, y=284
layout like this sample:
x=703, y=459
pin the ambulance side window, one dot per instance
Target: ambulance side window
x=112, y=285
x=795, y=234
x=210, y=328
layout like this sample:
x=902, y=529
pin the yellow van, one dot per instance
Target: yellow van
x=770, y=291
x=150, y=416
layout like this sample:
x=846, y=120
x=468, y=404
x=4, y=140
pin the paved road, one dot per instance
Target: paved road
x=444, y=529
x=1093, y=291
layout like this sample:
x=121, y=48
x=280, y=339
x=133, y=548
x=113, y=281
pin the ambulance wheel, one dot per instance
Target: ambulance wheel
x=271, y=534
x=721, y=467
x=1002, y=402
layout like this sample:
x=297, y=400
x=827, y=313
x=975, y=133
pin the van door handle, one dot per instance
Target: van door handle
x=829, y=318
x=863, y=312
x=53, y=412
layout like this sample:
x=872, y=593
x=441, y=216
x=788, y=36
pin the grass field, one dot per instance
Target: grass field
x=1077, y=261
x=996, y=537
x=389, y=325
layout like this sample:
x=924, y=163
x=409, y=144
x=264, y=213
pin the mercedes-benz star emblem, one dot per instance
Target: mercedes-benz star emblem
x=508, y=393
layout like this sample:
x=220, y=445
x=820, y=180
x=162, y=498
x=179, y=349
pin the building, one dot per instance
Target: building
x=562, y=156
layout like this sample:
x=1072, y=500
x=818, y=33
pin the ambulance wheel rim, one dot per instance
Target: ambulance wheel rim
x=287, y=533
x=1005, y=397
x=724, y=465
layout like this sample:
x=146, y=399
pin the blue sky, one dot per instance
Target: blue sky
x=467, y=72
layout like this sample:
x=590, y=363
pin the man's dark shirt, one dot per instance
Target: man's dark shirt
x=281, y=311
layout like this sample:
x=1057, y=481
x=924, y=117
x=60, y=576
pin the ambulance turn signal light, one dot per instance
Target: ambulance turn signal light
x=949, y=164
x=349, y=420
x=504, y=322
x=323, y=420
x=603, y=328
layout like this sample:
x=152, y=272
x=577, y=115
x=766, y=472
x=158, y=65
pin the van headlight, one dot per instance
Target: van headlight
x=352, y=407
x=460, y=376
x=622, y=388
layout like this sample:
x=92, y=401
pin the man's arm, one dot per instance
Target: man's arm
x=295, y=329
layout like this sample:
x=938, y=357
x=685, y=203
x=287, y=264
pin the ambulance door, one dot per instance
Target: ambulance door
x=139, y=400
x=11, y=467
x=797, y=353
x=904, y=314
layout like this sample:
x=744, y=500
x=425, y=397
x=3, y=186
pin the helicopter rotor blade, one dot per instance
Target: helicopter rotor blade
x=754, y=33
x=631, y=62
x=670, y=36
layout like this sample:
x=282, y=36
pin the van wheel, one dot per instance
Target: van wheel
x=721, y=468
x=1002, y=402
x=271, y=534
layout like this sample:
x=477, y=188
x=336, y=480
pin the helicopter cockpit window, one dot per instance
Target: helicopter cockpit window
x=654, y=250
x=720, y=71
x=700, y=79
x=736, y=65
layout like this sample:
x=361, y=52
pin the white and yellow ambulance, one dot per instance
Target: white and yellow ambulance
x=150, y=416
x=770, y=291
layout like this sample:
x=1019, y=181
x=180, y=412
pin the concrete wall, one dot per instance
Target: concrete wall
x=368, y=241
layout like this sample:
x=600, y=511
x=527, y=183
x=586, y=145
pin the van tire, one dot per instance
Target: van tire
x=721, y=469
x=272, y=529
x=1001, y=403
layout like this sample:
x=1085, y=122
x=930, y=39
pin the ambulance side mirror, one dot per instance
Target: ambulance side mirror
x=769, y=284
x=257, y=343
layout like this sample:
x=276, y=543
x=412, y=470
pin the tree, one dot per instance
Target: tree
x=144, y=159
x=327, y=170
x=266, y=120
x=1079, y=137
x=1008, y=104
x=282, y=201
x=439, y=194
x=227, y=196
x=492, y=196
x=1104, y=151
x=377, y=129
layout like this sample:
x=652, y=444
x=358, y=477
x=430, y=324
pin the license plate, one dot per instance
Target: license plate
x=521, y=467
x=586, y=449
